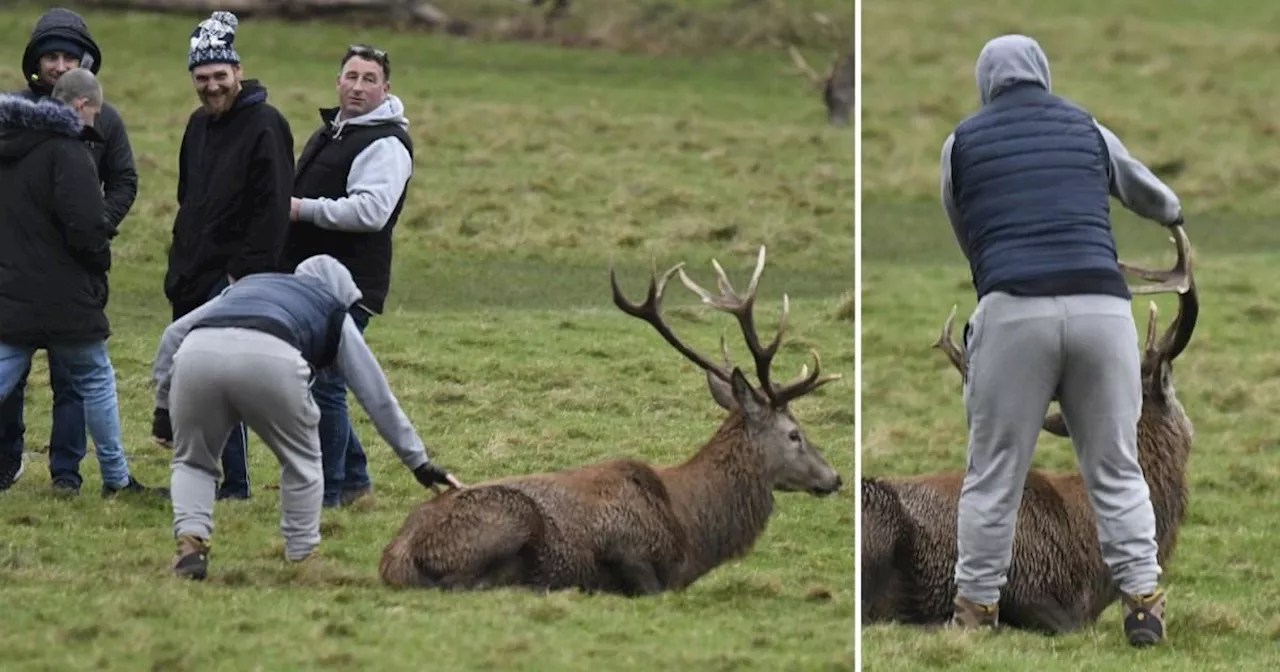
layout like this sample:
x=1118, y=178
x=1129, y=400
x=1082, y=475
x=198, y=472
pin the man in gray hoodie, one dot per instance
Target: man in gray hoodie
x=249, y=356
x=1026, y=183
x=351, y=184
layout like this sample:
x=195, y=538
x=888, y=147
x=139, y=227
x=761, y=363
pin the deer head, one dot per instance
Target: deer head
x=838, y=84
x=1158, y=356
x=792, y=462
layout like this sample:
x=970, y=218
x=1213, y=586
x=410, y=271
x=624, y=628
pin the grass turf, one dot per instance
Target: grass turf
x=1182, y=85
x=535, y=166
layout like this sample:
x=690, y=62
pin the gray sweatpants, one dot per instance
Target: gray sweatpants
x=1023, y=351
x=225, y=376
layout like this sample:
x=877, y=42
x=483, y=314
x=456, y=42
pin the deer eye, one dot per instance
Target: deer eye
x=794, y=435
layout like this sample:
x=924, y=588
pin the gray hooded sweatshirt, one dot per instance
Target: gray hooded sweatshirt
x=354, y=360
x=377, y=178
x=1014, y=59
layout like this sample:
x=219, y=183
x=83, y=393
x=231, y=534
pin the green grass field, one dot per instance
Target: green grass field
x=1183, y=84
x=535, y=166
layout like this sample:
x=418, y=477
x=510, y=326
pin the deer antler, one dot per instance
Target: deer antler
x=650, y=311
x=1179, y=279
x=741, y=307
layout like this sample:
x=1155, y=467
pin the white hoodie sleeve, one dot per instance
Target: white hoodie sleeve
x=378, y=177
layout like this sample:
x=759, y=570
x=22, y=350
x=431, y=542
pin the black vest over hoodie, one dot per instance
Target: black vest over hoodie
x=294, y=308
x=322, y=173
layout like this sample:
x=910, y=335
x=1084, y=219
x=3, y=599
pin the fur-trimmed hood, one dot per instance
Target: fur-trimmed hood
x=25, y=124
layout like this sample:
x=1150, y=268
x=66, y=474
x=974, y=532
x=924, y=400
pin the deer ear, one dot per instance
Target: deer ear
x=721, y=391
x=752, y=405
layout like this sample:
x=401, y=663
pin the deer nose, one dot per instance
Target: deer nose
x=839, y=482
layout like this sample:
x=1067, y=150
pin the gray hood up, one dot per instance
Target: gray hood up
x=335, y=277
x=1009, y=60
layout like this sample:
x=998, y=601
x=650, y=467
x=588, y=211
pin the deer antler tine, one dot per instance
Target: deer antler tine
x=949, y=348
x=724, y=352
x=722, y=280
x=1152, y=310
x=696, y=289
x=755, y=276
x=1177, y=279
x=945, y=337
x=802, y=65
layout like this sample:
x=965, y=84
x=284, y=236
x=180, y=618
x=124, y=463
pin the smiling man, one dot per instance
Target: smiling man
x=350, y=188
x=235, y=177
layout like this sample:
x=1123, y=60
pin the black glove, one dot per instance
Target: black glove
x=429, y=475
x=161, y=430
x=1177, y=222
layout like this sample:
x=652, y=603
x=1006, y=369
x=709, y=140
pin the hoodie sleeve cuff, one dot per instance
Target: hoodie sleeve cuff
x=307, y=209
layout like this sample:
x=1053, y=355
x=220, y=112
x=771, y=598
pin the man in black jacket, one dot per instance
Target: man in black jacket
x=60, y=42
x=55, y=252
x=352, y=179
x=235, y=178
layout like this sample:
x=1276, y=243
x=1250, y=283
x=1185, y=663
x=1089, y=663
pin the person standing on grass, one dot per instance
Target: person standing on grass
x=350, y=187
x=235, y=176
x=249, y=355
x=59, y=43
x=1026, y=183
x=55, y=251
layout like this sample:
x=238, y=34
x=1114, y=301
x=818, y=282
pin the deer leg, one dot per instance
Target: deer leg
x=631, y=576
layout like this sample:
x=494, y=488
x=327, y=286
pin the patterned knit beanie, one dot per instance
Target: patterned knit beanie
x=213, y=41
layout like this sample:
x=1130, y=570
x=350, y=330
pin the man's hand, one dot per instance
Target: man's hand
x=295, y=206
x=429, y=475
x=161, y=429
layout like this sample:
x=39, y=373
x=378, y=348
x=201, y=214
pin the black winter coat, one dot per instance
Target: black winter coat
x=54, y=238
x=235, y=181
x=109, y=143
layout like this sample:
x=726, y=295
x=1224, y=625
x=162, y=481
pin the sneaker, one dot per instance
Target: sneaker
x=349, y=496
x=135, y=488
x=225, y=493
x=1144, y=618
x=10, y=472
x=65, y=487
x=192, y=559
x=970, y=615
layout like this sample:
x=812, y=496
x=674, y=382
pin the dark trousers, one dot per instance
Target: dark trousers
x=235, y=454
x=346, y=467
x=67, y=442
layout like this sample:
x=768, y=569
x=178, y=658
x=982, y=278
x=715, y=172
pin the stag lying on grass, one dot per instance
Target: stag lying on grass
x=624, y=526
x=1057, y=581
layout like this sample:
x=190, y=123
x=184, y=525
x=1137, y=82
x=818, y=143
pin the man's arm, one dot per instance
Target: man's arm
x=949, y=197
x=119, y=171
x=378, y=177
x=365, y=378
x=79, y=208
x=270, y=177
x=1134, y=185
x=172, y=337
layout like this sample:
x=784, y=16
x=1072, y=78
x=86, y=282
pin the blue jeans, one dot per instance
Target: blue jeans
x=89, y=372
x=346, y=467
x=235, y=454
x=67, y=442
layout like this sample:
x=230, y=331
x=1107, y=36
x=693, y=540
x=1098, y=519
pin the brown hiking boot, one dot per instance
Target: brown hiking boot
x=192, y=561
x=970, y=615
x=1144, y=618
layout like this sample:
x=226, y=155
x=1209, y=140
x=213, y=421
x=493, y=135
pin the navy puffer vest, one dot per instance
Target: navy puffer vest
x=294, y=308
x=1030, y=173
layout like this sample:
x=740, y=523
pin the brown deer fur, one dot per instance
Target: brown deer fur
x=623, y=526
x=1057, y=581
